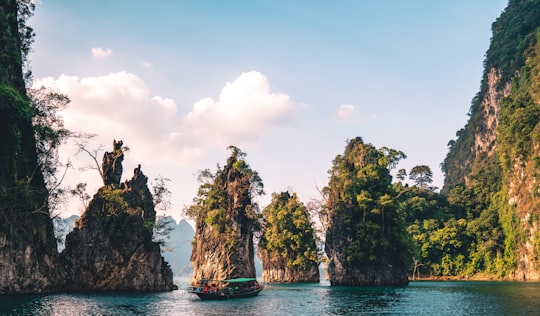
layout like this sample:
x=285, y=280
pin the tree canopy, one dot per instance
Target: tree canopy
x=288, y=231
x=364, y=223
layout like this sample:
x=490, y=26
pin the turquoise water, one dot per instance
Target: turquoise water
x=419, y=298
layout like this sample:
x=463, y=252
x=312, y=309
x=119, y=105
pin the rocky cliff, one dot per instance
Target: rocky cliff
x=495, y=156
x=111, y=247
x=28, y=255
x=287, y=247
x=276, y=270
x=226, y=217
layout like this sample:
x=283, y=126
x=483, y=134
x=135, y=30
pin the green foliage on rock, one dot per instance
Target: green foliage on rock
x=365, y=227
x=288, y=231
x=491, y=169
x=226, y=194
x=114, y=202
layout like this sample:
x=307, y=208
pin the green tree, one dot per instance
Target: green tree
x=401, y=174
x=50, y=134
x=288, y=232
x=422, y=176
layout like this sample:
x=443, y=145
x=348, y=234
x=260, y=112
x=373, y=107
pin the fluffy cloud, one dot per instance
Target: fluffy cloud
x=245, y=109
x=99, y=52
x=344, y=111
x=119, y=106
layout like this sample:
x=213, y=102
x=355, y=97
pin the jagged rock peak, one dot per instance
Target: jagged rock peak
x=112, y=164
x=111, y=247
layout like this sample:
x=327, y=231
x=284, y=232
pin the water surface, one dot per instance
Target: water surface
x=419, y=298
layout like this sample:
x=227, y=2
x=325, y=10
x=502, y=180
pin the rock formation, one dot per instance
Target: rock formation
x=28, y=255
x=225, y=220
x=496, y=154
x=287, y=247
x=365, y=239
x=111, y=247
x=112, y=165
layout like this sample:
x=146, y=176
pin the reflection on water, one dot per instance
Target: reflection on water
x=419, y=298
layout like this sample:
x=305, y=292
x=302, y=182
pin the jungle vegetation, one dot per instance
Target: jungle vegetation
x=288, y=231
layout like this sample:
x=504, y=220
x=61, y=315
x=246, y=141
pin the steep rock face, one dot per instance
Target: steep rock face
x=380, y=274
x=388, y=269
x=275, y=270
x=216, y=259
x=498, y=150
x=485, y=137
x=225, y=218
x=111, y=247
x=523, y=187
x=28, y=255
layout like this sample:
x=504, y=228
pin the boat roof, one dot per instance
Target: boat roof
x=239, y=280
x=236, y=280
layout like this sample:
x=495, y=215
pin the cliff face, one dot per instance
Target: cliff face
x=375, y=267
x=28, y=255
x=276, y=270
x=496, y=155
x=521, y=176
x=287, y=247
x=111, y=247
x=225, y=220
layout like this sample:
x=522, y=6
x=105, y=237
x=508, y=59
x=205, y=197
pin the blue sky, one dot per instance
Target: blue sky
x=288, y=82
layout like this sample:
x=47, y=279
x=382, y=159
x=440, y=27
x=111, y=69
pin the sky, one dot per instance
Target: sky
x=287, y=82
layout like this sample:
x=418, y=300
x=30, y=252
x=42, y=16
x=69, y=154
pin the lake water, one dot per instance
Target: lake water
x=419, y=298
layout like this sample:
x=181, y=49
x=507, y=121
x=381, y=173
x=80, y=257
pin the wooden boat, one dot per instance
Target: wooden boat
x=226, y=289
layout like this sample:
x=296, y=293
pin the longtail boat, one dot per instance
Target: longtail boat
x=226, y=289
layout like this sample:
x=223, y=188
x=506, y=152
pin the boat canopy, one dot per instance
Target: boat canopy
x=238, y=280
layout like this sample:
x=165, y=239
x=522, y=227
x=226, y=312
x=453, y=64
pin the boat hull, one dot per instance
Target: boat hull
x=226, y=289
x=222, y=296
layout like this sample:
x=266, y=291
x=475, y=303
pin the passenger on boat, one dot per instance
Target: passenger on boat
x=206, y=288
x=213, y=289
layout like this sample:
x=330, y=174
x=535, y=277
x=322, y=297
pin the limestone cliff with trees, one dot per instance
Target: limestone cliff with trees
x=492, y=166
x=28, y=255
x=366, y=238
x=226, y=217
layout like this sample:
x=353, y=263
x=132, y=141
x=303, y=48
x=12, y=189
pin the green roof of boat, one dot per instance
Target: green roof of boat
x=238, y=280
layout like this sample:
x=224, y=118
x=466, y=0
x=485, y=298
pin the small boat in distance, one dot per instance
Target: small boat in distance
x=226, y=289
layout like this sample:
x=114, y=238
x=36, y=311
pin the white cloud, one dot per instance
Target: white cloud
x=245, y=109
x=344, y=111
x=119, y=106
x=99, y=52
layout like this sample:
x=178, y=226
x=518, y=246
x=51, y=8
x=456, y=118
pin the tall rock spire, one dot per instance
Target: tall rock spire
x=226, y=217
